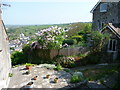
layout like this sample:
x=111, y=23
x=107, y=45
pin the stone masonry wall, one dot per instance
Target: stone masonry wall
x=111, y=16
x=5, y=63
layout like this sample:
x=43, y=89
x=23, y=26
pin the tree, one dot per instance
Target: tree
x=51, y=38
x=99, y=40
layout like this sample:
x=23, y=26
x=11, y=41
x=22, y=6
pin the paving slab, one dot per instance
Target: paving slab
x=20, y=79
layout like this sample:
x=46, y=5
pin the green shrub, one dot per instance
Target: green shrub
x=82, y=44
x=99, y=41
x=69, y=41
x=18, y=58
x=81, y=32
x=65, y=61
x=77, y=77
x=67, y=70
x=74, y=79
x=78, y=38
x=91, y=58
x=59, y=67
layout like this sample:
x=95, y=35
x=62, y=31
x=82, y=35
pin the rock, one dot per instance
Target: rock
x=79, y=74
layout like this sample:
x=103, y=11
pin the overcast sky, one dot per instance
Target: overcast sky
x=31, y=12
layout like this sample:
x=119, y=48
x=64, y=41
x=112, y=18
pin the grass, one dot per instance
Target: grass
x=99, y=73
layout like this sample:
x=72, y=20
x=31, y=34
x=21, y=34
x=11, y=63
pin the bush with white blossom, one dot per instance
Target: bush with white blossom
x=51, y=38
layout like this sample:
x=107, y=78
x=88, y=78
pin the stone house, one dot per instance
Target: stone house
x=5, y=62
x=105, y=12
x=106, y=19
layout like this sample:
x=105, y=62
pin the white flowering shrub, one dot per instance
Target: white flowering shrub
x=51, y=38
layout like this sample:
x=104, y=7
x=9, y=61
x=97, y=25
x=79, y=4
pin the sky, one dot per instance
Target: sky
x=36, y=12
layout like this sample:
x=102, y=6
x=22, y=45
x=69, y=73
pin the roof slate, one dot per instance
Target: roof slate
x=115, y=28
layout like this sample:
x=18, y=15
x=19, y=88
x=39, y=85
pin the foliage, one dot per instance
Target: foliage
x=51, y=38
x=81, y=32
x=99, y=73
x=65, y=61
x=74, y=79
x=67, y=70
x=58, y=67
x=26, y=51
x=78, y=38
x=82, y=44
x=18, y=58
x=90, y=58
x=28, y=64
x=77, y=27
x=77, y=77
x=10, y=74
x=99, y=40
x=69, y=41
x=81, y=55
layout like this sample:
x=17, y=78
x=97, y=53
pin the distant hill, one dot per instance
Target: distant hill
x=15, y=30
x=29, y=30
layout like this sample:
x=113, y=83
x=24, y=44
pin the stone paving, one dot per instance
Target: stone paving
x=20, y=79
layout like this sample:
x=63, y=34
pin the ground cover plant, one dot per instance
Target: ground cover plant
x=99, y=73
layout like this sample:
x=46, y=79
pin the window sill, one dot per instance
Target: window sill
x=111, y=51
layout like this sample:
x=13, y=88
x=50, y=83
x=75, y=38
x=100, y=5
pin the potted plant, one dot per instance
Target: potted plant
x=28, y=72
x=29, y=85
x=47, y=76
x=56, y=80
x=28, y=66
x=35, y=78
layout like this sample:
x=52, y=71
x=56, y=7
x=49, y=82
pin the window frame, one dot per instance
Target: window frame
x=113, y=45
x=105, y=7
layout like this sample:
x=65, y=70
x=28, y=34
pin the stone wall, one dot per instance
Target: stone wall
x=111, y=56
x=111, y=16
x=69, y=51
x=37, y=55
x=5, y=63
x=119, y=11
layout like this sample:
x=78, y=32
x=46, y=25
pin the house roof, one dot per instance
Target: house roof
x=115, y=28
x=95, y=6
x=102, y=1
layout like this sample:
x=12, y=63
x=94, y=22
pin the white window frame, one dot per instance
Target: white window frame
x=101, y=7
x=112, y=45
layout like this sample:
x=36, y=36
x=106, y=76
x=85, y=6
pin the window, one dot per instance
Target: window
x=112, y=45
x=100, y=25
x=103, y=7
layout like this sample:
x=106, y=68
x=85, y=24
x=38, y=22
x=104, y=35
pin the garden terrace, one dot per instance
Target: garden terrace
x=92, y=75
